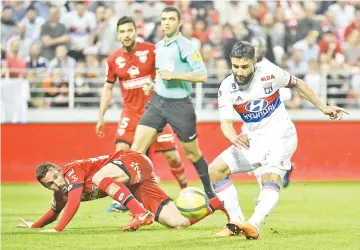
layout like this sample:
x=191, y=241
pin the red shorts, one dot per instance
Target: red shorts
x=142, y=183
x=165, y=141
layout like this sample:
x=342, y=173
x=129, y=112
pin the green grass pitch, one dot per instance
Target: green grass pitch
x=308, y=216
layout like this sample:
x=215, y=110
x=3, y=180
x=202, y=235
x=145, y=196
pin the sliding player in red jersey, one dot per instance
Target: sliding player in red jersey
x=134, y=66
x=126, y=176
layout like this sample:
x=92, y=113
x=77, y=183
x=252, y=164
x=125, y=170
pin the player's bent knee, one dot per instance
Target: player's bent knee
x=122, y=146
x=218, y=170
x=271, y=177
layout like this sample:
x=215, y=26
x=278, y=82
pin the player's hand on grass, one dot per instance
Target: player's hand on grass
x=165, y=74
x=100, y=127
x=334, y=112
x=242, y=140
x=148, y=87
x=49, y=231
x=24, y=224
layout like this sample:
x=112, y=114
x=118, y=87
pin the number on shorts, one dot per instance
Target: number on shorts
x=124, y=122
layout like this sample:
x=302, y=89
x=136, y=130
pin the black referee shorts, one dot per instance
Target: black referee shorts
x=179, y=113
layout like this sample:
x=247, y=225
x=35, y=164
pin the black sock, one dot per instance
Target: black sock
x=202, y=169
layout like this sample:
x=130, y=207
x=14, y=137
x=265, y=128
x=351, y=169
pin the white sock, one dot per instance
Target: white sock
x=268, y=199
x=227, y=194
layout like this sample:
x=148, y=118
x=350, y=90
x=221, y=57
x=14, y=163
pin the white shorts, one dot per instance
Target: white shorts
x=268, y=153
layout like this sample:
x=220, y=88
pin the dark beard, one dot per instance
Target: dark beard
x=247, y=79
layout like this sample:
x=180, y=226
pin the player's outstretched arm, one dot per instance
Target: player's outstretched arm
x=49, y=217
x=72, y=205
x=229, y=132
x=305, y=90
x=106, y=95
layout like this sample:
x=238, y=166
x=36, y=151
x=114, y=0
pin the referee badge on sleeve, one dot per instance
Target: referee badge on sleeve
x=196, y=56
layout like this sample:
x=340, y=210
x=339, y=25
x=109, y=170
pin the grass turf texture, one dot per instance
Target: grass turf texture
x=308, y=216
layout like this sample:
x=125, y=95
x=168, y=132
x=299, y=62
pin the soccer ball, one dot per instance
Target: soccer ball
x=192, y=203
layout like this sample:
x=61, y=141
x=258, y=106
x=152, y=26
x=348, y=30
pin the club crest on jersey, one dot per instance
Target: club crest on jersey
x=133, y=71
x=142, y=55
x=120, y=62
x=256, y=105
x=268, y=88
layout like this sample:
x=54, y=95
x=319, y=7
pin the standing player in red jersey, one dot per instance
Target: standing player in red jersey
x=126, y=176
x=134, y=66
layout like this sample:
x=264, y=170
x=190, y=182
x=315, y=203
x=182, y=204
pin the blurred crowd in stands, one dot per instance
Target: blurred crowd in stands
x=46, y=42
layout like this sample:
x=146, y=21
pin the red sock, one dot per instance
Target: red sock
x=119, y=192
x=214, y=204
x=179, y=174
x=193, y=221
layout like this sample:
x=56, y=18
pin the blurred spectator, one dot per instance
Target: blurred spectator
x=329, y=25
x=227, y=30
x=62, y=61
x=33, y=24
x=15, y=64
x=209, y=60
x=93, y=5
x=19, y=10
x=35, y=61
x=157, y=34
x=8, y=25
x=82, y=86
x=200, y=30
x=105, y=34
x=274, y=31
x=216, y=41
x=25, y=43
x=240, y=33
x=354, y=25
x=315, y=81
x=56, y=89
x=152, y=9
x=309, y=21
x=43, y=7
x=252, y=23
x=352, y=47
x=187, y=31
x=36, y=91
x=343, y=14
x=80, y=23
x=309, y=46
x=233, y=11
x=53, y=34
x=329, y=46
x=139, y=20
x=297, y=65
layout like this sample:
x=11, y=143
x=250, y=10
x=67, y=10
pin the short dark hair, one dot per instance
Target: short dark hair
x=172, y=9
x=125, y=19
x=42, y=170
x=31, y=7
x=243, y=50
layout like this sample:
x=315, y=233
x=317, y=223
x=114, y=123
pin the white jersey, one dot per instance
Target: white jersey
x=259, y=105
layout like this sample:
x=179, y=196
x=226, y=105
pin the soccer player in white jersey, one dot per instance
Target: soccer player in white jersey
x=253, y=91
x=260, y=47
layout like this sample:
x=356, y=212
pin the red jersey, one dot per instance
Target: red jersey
x=79, y=174
x=133, y=69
